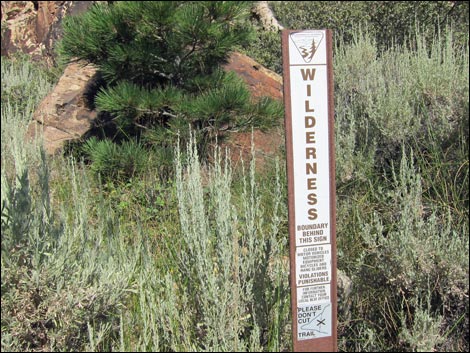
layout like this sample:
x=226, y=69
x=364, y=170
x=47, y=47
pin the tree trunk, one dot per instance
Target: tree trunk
x=269, y=23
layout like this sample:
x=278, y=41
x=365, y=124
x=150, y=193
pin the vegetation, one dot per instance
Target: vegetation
x=161, y=65
x=387, y=22
x=135, y=257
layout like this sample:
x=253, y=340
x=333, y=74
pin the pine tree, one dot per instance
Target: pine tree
x=161, y=63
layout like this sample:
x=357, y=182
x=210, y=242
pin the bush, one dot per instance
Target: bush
x=113, y=161
x=230, y=258
x=161, y=63
x=402, y=186
x=24, y=84
x=409, y=272
x=417, y=98
x=82, y=271
x=389, y=22
x=63, y=275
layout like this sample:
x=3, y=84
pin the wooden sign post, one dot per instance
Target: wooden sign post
x=309, y=113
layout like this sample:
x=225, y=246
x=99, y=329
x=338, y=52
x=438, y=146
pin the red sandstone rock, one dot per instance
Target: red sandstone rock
x=33, y=27
x=261, y=81
x=64, y=114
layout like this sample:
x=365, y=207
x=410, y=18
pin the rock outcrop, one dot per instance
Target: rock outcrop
x=66, y=113
x=261, y=81
x=33, y=27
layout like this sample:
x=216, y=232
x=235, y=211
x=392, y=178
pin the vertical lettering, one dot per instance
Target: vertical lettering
x=307, y=107
x=308, y=74
x=310, y=121
x=310, y=152
x=312, y=214
x=311, y=168
x=311, y=192
x=312, y=184
x=310, y=137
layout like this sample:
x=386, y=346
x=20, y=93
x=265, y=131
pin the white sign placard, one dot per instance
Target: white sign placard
x=311, y=295
x=313, y=265
x=310, y=183
x=314, y=321
x=311, y=153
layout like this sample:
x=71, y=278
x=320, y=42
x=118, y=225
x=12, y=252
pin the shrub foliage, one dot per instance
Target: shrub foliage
x=161, y=64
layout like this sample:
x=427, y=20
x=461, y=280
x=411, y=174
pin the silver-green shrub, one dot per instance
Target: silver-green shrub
x=220, y=282
x=228, y=251
x=65, y=266
x=384, y=99
x=402, y=185
x=411, y=274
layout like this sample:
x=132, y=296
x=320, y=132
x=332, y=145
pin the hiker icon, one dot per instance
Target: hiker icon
x=318, y=323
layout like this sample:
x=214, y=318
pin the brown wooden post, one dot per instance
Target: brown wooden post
x=309, y=122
